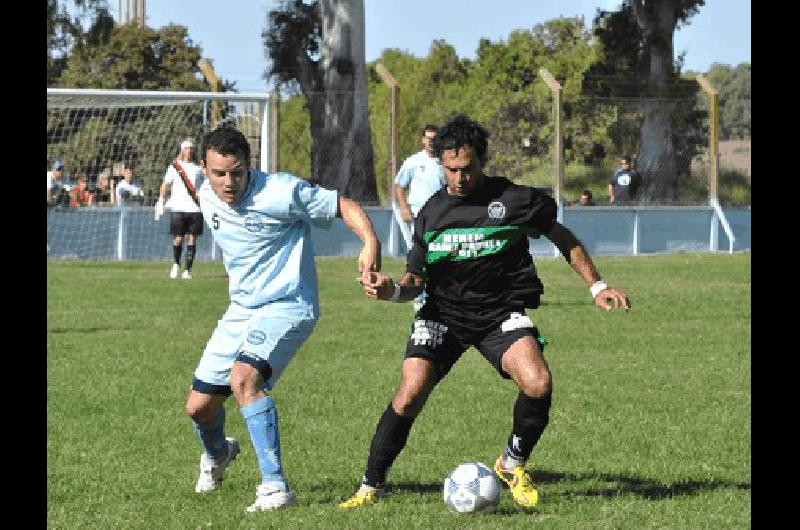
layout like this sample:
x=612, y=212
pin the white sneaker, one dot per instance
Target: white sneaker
x=173, y=273
x=270, y=498
x=186, y=275
x=210, y=474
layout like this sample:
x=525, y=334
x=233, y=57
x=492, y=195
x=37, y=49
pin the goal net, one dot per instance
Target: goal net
x=101, y=135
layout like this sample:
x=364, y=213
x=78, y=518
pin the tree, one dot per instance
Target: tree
x=130, y=57
x=733, y=84
x=639, y=62
x=65, y=30
x=319, y=46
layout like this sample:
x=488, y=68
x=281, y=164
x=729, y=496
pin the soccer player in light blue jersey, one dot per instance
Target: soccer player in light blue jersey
x=421, y=174
x=262, y=222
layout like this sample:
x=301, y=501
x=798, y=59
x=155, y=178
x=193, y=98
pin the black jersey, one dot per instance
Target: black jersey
x=473, y=251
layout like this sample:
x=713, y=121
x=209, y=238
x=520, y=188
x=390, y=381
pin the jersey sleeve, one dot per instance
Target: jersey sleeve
x=415, y=260
x=315, y=204
x=613, y=179
x=403, y=178
x=540, y=213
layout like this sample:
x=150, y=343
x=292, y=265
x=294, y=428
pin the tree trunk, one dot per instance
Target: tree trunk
x=341, y=138
x=656, y=161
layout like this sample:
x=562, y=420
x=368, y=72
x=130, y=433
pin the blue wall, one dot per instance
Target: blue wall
x=95, y=233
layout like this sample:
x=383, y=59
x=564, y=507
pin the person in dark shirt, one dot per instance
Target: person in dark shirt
x=470, y=253
x=623, y=187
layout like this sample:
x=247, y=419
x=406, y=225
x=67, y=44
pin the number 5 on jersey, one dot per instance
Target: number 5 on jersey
x=215, y=221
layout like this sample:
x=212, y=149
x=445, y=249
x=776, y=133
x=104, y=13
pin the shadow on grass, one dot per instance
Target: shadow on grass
x=85, y=330
x=620, y=485
x=615, y=486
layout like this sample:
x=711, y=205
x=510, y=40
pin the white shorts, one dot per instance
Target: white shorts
x=271, y=333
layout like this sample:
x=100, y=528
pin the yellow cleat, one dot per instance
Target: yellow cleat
x=363, y=497
x=519, y=482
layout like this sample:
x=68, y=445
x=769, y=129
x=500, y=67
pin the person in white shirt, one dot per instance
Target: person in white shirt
x=186, y=219
x=421, y=175
x=127, y=190
x=56, y=183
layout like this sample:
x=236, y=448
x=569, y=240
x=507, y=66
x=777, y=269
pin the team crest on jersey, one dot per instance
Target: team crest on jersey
x=497, y=210
x=624, y=180
x=254, y=223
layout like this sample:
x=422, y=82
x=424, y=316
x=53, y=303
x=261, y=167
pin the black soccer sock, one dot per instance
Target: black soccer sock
x=189, y=256
x=176, y=253
x=530, y=419
x=389, y=439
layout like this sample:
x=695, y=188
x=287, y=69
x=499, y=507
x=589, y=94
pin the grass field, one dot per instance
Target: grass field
x=650, y=425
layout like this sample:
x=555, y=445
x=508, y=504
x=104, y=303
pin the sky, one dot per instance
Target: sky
x=229, y=31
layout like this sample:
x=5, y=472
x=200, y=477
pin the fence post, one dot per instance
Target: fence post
x=713, y=140
x=558, y=141
x=121, y=234
x=394, y=94
x=635, y=231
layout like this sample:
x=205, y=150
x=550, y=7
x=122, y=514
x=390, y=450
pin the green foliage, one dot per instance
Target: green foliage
x=733, y=84
x=66, y=30
x=138, y=59
x=650, y=425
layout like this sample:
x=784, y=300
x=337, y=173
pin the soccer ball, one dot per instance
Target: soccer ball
x=471, y=488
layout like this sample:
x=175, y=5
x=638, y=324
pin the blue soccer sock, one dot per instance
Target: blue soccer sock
x=262, y=422
x=212, y=436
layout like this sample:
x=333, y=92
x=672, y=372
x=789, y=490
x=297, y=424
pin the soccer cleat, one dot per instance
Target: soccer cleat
x=210, y=473
x=365, y=496
x=269, y=497
x=173, y=273
x=187, y=275
x=519, y=482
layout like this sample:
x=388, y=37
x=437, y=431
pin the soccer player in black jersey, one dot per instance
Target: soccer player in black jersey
x=470, y=253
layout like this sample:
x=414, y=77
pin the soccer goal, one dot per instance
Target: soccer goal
x=99, y=134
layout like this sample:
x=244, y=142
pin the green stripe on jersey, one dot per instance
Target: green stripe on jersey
x=459, y=244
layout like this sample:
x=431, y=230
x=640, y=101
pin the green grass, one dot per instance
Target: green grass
x=650, y=425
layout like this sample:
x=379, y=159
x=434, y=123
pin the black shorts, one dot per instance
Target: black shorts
x=181, y=223
x=443, y=341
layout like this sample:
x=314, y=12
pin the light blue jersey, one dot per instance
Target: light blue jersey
x=423, y=176
x=266, y=237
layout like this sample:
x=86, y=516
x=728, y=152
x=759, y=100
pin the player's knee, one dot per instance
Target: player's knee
x=247, y=378
x=536, y=384
x=198, y=412
x=409, y=402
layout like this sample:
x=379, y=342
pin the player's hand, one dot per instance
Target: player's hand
x=159, y=208
x=407, y=217
x=377, y=285
x=369, y=259
x=609, y=299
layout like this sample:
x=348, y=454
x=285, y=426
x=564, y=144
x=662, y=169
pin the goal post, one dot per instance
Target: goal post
x=95, y=132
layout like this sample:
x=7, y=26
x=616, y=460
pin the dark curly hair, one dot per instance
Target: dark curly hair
x=225, y=140
x=458, y=132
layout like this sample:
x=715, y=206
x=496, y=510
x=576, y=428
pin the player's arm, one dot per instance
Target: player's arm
x=354, y=216
x=399, y=194
x=610, y=194
x=381, y=286
x=576, y=255
x=163, y=190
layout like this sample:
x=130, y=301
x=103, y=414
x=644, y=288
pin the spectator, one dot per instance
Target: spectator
x=80, y=194
x=623, y=186
x=586, y=198
x=104, y=191
x=57, y=187
x=128, y=192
